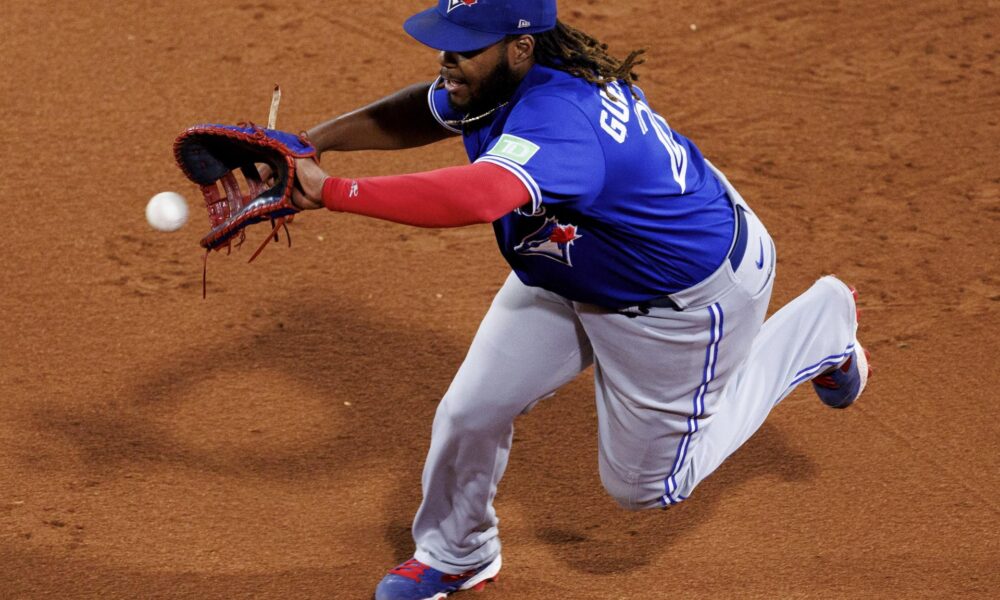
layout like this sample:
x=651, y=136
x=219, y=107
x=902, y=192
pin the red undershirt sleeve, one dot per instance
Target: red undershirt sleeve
x=450, y=197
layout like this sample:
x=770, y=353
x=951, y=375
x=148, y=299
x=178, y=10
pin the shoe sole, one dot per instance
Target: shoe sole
x=864, y=370
x=860, y=354
x=477, y=583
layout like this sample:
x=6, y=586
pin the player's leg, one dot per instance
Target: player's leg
x=808, y=335
x=657, y=384
x=658, y=376
x=529, y=344
x=811, y=334
x=678, y=392
x=671, y=411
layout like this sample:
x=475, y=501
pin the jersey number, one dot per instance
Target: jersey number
x=616, y=115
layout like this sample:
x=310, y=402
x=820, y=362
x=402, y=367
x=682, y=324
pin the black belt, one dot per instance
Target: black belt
x=740, y=245
x=735, y=259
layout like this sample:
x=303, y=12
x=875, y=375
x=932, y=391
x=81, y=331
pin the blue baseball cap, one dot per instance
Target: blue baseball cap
x=464, y=25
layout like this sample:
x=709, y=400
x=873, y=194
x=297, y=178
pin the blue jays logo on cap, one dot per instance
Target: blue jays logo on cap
x=453, y=4
x=551, y=240
x=450, y=27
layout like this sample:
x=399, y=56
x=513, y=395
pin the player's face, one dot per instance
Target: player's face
x=478, y=81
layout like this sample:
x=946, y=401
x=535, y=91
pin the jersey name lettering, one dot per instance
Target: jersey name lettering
x=616, y=115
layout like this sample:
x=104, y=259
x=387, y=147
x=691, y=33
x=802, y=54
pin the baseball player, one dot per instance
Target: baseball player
x=629, y=252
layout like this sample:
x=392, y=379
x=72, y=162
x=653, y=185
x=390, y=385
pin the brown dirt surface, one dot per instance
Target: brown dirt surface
x=268, y=442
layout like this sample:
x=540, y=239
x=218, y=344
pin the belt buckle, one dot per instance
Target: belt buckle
x=643, y=308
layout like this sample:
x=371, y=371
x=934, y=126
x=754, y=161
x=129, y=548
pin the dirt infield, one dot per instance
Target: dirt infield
x=268, y=442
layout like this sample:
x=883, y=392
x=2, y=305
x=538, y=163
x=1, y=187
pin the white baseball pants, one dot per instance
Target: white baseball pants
x=677, y=391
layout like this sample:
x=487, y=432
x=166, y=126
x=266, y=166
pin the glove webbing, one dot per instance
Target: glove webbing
x=221, y=207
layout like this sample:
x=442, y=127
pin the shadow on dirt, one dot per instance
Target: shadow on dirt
x=312, y=361
x=591, y=534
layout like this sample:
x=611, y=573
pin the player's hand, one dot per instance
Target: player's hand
x=266, y=173
x=307, y=194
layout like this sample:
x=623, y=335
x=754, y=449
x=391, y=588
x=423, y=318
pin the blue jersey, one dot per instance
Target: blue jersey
x=623, y=209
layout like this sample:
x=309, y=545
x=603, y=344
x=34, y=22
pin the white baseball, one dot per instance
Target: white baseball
x=167, y=211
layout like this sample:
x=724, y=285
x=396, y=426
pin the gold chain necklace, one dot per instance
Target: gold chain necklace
x=461, y=123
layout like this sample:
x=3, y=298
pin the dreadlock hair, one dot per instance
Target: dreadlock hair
x=568, y=49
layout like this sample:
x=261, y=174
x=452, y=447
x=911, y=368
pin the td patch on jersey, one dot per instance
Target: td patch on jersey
x=514, y=149
x=453, y=4
x=551, y=240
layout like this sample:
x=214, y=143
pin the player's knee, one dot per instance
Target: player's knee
x=624, y=490
x=630, y=493
x=464, y=416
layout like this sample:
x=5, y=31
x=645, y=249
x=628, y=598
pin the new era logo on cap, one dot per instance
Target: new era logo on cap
x=453, y=4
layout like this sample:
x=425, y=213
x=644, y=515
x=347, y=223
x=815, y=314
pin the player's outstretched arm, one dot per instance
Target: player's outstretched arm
x=450, y=197
x=401, y=120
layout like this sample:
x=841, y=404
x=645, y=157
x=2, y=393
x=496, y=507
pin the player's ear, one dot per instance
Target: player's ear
x=520, y=50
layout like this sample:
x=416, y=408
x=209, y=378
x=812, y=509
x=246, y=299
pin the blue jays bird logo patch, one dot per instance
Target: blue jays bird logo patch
x=551, y=240
x=453, y=4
